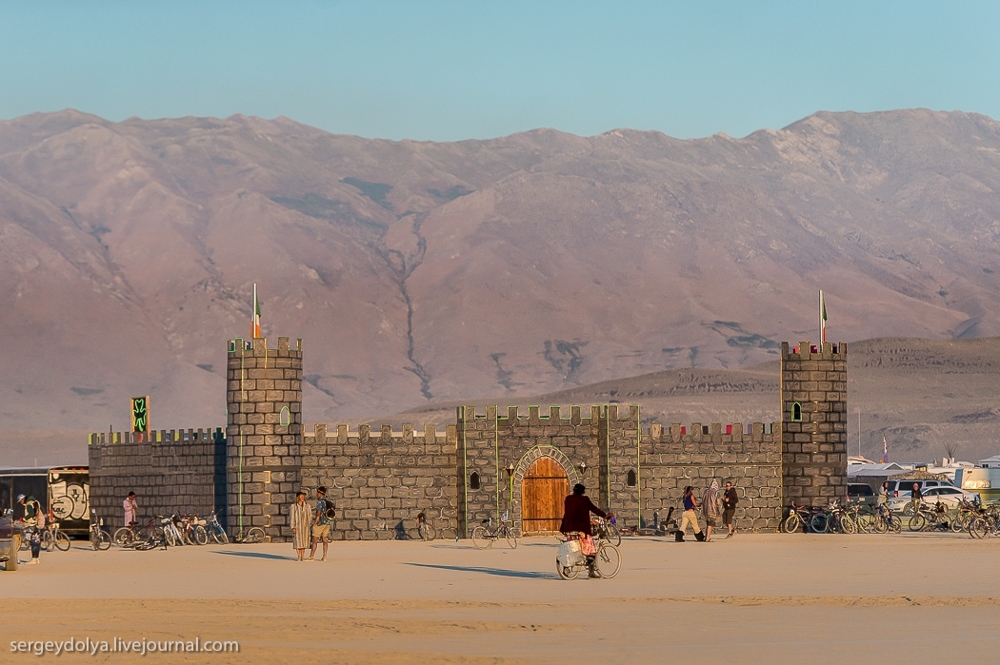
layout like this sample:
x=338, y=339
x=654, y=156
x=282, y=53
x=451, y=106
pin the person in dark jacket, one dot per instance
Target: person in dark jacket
x=576, y=517
x=730, y=499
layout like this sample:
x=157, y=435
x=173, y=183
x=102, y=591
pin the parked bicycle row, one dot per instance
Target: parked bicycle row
x=177, y=530
x=965, y=516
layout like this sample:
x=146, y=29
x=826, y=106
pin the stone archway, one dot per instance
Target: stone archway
x=556, y=465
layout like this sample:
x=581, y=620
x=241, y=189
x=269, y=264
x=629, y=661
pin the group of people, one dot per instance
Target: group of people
x=311, y=524
x=712, y=507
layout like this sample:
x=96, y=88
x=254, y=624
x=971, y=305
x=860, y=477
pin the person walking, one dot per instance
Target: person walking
x=131, y=509
x=321, y=524
x=729, y=501
x=690, y=516
x=710, y=508
x=300, y=517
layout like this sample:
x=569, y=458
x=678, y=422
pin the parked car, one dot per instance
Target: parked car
x=946, y=494
x=898, y=487
x=860, y=492
x=10, y=541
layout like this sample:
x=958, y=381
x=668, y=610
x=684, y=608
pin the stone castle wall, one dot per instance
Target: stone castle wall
x=171, y=471
x=475, y=470
x=380, y=481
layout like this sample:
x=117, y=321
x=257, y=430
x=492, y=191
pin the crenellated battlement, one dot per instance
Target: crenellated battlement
x=258, y=347
x=200, y=435
x=323, y=433
x=808, y=351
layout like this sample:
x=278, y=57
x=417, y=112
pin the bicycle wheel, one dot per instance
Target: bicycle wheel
x=46, y=540
x=426, y=531
x=896, y=525
x=101, y=541
x=61, y=541
x=123, y=537
x=511, y=540
x=614, y=536
x=199, y=535
x=917, y=522
x=865, y=522
x=254, y=536
x=565, y=572
x=482, y=538
x=608, y=561
x=978, y=528
x=792, y=523
x=846, y=525
x=820, y=523
x=219, y=535
x=879, y=524
x=171, y=536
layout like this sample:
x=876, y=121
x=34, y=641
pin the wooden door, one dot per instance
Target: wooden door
x=543, y=495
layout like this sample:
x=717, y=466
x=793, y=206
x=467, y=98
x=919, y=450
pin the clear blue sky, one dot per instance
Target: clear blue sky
x=456, y=70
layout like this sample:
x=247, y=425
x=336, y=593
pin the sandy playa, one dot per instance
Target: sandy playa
x=756, y=598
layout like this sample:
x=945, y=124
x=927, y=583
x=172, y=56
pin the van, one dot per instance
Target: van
x=897, y=487
x=860, y=492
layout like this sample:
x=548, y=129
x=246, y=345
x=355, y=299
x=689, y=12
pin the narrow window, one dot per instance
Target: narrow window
x=284, y=417
x=474, y=481
x=630, y=478
x=796, y=412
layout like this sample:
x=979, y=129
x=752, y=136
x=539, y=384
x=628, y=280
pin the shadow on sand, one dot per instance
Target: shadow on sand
x=489, y=571
x=257, y=555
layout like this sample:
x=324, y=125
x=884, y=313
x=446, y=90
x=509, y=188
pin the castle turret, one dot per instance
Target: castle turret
x=264, y=432
x=813, y=422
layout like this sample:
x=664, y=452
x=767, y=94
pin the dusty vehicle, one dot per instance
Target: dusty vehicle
x=10, y=541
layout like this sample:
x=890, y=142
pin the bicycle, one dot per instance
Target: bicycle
x=571, y=561
x=51, y=537
x=607, y=529
x=215, y=530
x=192, y=530
x=930, y=518
x=425, y=530
x=99, y=538
x=250, y=536
x=799, y=516
x=886, y=520
x=484, y=535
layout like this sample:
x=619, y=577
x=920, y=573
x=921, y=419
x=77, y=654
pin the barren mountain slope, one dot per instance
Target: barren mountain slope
x=420, y=272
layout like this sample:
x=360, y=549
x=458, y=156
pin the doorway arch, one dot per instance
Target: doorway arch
x=540, y=484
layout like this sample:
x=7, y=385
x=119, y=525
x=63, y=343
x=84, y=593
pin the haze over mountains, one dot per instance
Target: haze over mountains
x=419, y=273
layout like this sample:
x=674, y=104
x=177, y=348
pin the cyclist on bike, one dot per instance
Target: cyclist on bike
x=576, y=518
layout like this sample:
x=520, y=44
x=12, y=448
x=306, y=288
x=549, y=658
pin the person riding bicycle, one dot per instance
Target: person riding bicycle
x=576, y=518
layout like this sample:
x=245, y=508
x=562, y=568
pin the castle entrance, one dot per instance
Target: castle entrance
x=543, y=494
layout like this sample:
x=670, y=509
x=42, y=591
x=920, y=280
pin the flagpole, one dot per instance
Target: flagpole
x=253, y=313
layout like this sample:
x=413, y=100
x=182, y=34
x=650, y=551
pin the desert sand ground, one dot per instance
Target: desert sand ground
x=910, y=598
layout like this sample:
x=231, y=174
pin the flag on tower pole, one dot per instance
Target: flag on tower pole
x=255, y=317
x=822, y=318
x=885, y=450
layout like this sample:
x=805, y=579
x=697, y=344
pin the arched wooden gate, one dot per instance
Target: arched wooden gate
x=543, y=494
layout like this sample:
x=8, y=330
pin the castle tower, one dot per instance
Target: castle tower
x=264, y=434
x=813, y=423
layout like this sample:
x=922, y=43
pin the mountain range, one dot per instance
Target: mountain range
x=422, y=273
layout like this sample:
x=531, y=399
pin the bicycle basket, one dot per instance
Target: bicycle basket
x=570, y=553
